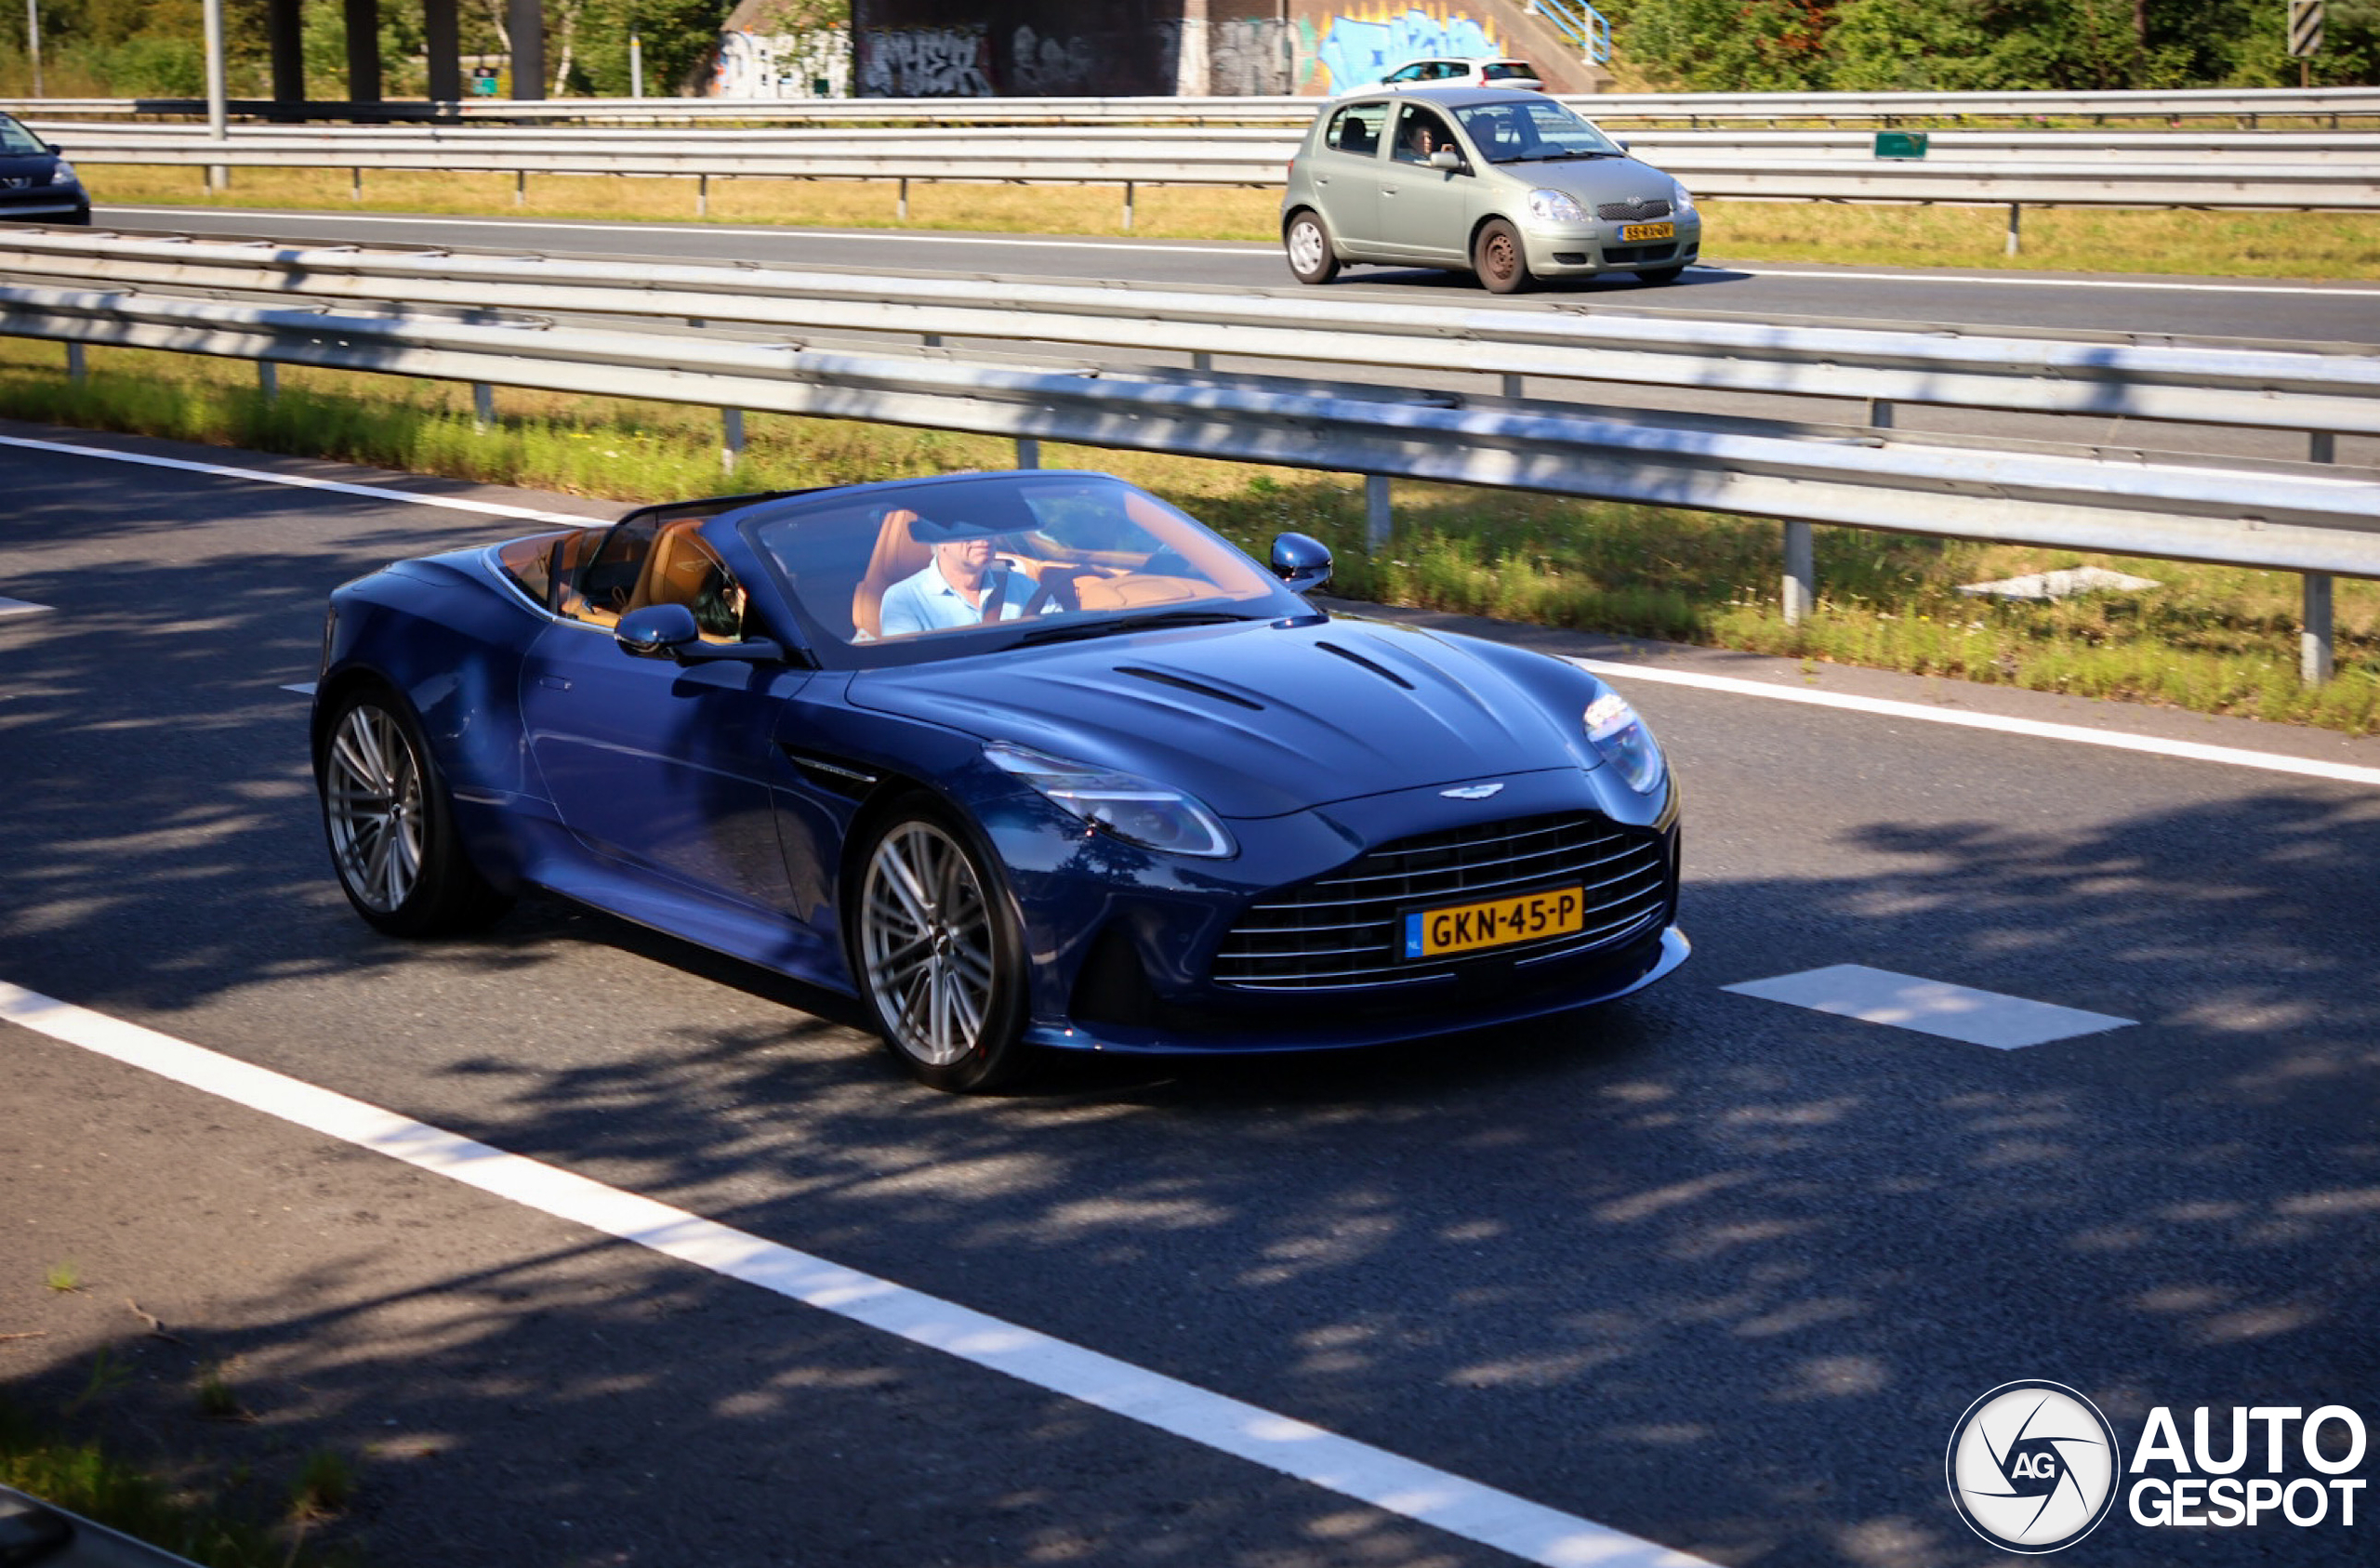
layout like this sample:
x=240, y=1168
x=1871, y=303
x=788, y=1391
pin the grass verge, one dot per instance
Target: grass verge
x=2213, y=639
x=2301, y=246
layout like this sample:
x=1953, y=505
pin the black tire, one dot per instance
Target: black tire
x=1497, y=257
x=935, y=951
x=390, y=823
x=1660, y=274
x=1312, y=257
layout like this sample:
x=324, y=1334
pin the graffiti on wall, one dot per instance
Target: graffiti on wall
x=1354, y=51
x=925, y=62
x=783, y=65
x=1251, y=57
x=1052, y=65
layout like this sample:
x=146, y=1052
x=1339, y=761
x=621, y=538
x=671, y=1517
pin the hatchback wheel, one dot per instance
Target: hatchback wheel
x=1497, y=257
x=1308, y=242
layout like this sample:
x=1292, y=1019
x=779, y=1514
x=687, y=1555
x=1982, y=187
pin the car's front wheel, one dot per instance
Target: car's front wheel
x=1307, y=240
x=936, y=952
x=1497, y=257
x=390, y=826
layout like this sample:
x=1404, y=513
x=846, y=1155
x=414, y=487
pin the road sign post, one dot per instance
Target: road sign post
x=2304, y=37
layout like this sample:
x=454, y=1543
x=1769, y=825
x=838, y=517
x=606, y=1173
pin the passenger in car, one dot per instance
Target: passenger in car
x=962, y=586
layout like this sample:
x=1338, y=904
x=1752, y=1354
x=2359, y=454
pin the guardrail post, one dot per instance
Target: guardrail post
x=2322, y=446
x=2316, y=647
x=1512, y=385
x=1880, y=414
x=482, y=406
x=355, y=192
x=1128, y=206
x=268, y=379
x=902, y=209
x=731, y=439
x=1029, y=452
x=1377, y=521
x=1201, y=360
x=2016, y=228
x=520, y=189
x=702, y=195
x=1801, y=573
x=76, y=370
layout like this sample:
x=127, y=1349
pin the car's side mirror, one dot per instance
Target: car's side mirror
x=667, y=631
x=1301, y=562
x=1445, y=158
x=657, y=631
x=1621, y=145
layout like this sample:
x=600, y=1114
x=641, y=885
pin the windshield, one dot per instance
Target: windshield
x=952, y=568
x=1532, y=130
x=15, y=138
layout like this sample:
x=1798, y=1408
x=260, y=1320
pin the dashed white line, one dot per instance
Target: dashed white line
x=2194, y=751
x=1930, y=1007
x=303, y=687
x=1475, y=1512
x=20, y=607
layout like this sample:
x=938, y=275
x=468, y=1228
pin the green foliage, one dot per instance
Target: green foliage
x=676, y=38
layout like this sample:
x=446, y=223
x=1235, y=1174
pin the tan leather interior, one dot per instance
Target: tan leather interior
x=898, y=554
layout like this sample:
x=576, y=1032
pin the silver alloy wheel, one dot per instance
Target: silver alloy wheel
x=925, y=938
x=1306, y=247
x=372, y=799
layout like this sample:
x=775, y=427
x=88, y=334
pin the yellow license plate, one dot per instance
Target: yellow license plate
x=1629, y=233
x=1496, y=923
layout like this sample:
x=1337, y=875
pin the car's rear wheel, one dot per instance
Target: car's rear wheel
x=392, y=826
x=1660, y=274
x=937, y=955
x=1497, y=257
x=1307, y=240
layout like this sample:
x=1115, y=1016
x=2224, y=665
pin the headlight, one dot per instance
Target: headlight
x=64, y=173
x=1135, y=809
x=1620, y=739
x=1555, y=207
x=1680, y=197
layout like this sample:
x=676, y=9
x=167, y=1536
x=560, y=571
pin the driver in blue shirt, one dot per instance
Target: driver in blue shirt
x=960, y=586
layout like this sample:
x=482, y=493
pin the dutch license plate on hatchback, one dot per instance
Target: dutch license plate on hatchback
x=1464, y=927
x=1632, y=233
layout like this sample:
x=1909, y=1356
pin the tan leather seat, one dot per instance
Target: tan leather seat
x=898, y=554
x=675, y=570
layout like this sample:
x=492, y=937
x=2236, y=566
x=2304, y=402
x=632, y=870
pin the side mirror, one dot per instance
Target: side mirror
x=1618, y=143
x=1301, y=562
x=657, y=631
x=1445, y=158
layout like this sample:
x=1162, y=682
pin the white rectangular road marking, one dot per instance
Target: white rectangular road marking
x=1930, y=1007
x=1397, y=1485
x=20, y=607
x=303, y=687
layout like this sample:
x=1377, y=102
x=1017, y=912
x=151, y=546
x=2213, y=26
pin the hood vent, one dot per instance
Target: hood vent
x=1183, y=682
x=1354, y=658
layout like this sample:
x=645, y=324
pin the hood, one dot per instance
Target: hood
x=1593, y=181
x=1260, y=719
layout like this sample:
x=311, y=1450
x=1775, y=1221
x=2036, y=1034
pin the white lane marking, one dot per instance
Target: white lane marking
x=1249, y=247
x=2130, y=285
x=303, y=687
x=2195, y=751
x=876, y=236
x=20, y=607
x=1930, y=1007
x=371, y=492
x=1389, y=1482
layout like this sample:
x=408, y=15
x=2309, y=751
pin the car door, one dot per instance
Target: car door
x=665, y=768
x=1424, y=211
x=1343, y=169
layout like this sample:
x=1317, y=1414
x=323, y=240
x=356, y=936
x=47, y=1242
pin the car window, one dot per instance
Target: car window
x=1533, y=128
x=922, y=566
x=16, y=139
x=1419, y=73
x=1356, y=128
x=1502, y=70
x=649, y=559
x=1420, y=132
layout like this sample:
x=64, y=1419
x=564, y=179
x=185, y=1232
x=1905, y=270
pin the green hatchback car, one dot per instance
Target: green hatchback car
x=1507, y=184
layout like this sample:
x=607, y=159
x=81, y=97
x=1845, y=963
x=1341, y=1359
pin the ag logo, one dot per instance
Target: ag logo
x=2032, y=1467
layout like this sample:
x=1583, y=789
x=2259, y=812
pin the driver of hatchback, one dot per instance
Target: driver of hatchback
x=962, y=586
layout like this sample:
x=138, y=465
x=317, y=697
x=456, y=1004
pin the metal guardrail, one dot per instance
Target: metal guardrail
x=2193, y=177
x=2302, y=518
x=2244, y=107
x=2101, y=376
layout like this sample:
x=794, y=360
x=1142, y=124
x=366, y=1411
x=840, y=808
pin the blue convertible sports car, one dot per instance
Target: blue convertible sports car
x=1021, y=761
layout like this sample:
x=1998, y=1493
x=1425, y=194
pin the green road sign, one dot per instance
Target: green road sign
x=1900, y=144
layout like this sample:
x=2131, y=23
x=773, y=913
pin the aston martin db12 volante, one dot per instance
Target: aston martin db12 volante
x=1021, y=760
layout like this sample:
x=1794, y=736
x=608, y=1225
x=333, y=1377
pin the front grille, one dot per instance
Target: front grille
x=1347, y=928
x=1633, y=212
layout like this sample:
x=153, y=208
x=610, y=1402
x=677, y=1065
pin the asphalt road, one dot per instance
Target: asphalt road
x=1711, y=1270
